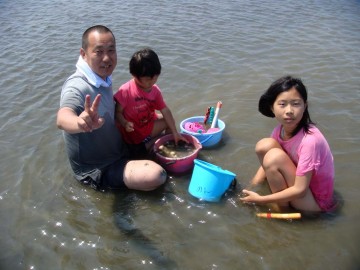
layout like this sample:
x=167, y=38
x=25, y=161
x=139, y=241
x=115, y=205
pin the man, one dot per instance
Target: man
x=96, y=152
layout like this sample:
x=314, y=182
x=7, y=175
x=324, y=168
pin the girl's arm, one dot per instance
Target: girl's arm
x=169, y=119
x=120, y=119
x=297, y=191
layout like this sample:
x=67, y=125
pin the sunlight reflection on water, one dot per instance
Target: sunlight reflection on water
x=229, y=51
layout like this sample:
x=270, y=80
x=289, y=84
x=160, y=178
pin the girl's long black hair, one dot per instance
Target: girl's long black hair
x=283, y=84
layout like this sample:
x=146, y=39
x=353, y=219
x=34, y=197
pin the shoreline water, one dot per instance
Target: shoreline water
x=229, y=51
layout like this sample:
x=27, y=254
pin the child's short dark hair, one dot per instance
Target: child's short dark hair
x=145, y=63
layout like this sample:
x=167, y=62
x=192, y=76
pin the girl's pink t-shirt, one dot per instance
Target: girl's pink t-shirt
x=311, y=152
x=139, y=107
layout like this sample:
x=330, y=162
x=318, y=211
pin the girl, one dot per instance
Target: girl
x=296, y=161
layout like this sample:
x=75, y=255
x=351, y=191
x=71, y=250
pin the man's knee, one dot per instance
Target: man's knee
x=144, y=175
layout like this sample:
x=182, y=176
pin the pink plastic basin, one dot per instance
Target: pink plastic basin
x=177, y=165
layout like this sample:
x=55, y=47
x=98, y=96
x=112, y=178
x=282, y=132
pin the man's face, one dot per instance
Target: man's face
x=101, y=53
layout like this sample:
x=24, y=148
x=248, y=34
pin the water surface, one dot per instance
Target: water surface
x=229, y=51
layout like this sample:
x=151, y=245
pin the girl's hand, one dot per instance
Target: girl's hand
x=250, y=196
x=178, y=137
x=129, y=126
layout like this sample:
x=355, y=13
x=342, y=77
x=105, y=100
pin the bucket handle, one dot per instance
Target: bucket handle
x=206, y=139
x=170, y=162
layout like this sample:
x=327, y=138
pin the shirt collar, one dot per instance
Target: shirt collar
x=91, y=76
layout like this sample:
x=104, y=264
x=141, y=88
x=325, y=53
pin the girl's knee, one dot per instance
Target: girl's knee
x=264, y=145
x=159, y=126
x=275, y=157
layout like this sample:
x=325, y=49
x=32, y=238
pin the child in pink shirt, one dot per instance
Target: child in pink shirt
x=296, y=161
x=137, y=102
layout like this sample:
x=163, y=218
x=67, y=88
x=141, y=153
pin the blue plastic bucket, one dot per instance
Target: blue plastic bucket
x=206, y=139
x=209, y=182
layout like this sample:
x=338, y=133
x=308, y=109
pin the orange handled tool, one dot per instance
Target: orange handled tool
x=216, y=116
x=279, y=215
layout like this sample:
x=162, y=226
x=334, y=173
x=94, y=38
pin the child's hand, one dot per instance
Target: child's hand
x=129, y=126
x=178, y=137
x=250, y=196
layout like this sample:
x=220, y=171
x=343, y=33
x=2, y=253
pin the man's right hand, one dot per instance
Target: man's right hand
x=89, y=119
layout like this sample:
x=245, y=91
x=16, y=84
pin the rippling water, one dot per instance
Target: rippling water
x=210, y=51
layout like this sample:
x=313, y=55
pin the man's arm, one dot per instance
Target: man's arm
x=87, y=121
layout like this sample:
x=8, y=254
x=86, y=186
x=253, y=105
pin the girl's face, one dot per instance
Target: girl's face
x=145, y=83
x=289, y=108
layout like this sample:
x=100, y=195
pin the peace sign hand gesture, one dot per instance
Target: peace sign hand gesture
x=89, y=119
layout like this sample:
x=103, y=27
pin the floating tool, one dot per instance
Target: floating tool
x=279, y=215
x=211, y=115
x=216, y=116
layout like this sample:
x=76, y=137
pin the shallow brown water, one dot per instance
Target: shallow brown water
x=229, y=51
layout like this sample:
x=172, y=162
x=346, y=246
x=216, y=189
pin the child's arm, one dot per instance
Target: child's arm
x=120, y=119
x=169, y=119
x=297, y=191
